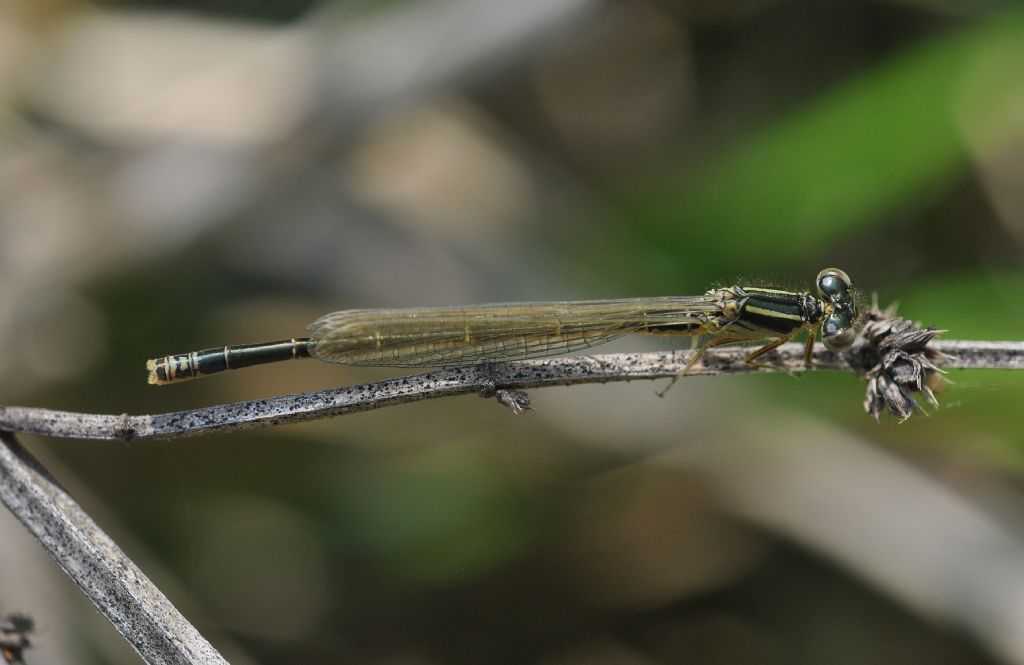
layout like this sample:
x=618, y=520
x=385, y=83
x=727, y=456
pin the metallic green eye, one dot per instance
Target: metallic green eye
x=838, y=331
x=834, y=284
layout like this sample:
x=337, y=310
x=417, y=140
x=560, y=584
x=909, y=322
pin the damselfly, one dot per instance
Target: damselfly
x=476, y=334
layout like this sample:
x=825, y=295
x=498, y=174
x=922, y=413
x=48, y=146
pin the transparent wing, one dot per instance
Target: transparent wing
x=459, y=336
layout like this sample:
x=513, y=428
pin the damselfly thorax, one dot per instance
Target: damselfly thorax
x=475, y=334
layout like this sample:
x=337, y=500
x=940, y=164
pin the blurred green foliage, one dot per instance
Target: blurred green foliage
x=422, y=500
x=838, y=165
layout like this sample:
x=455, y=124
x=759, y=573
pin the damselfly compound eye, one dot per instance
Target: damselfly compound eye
x=838, y=331
x=833, y=284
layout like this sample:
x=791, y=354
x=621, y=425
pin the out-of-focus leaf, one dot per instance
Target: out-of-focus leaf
x=440, y=515
x=887, y=138
x=969, y=306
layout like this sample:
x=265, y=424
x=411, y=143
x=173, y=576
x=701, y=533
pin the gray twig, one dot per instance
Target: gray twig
x=896, y=357
x=485, y=379
x=115, y=585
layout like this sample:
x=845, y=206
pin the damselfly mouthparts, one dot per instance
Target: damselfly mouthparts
x=475, y=334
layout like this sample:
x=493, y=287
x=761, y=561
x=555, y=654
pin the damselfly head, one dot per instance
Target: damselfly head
x=839, y=329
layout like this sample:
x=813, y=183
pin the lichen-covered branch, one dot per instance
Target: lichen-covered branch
x=503, y=380
x=115, y=585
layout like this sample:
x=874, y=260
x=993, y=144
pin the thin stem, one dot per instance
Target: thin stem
x=115, y=585
x=482, y=379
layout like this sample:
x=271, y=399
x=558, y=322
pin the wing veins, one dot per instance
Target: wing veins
x=437, y=337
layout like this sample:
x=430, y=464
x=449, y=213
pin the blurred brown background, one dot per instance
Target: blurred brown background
x=176, y=176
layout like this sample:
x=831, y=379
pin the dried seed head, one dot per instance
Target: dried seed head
x=898, y=363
